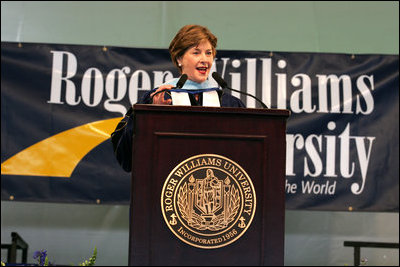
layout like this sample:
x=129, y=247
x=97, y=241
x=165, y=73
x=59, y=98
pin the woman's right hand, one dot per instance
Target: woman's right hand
x=159, y=98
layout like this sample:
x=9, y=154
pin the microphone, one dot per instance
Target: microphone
x=179, y=85
x=221, y=82
x=181, y=81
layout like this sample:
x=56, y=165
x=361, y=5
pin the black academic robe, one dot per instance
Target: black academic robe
x=122, y=136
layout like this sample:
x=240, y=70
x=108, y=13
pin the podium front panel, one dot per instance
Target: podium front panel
x=167, y=136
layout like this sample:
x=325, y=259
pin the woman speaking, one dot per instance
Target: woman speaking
x=192, y=50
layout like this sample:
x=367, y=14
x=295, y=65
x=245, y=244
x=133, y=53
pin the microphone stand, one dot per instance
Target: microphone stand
x=240, y=92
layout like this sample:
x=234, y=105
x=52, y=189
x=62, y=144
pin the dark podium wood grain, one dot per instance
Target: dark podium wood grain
x=167, y=135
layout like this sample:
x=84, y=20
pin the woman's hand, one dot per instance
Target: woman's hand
x=159, y=98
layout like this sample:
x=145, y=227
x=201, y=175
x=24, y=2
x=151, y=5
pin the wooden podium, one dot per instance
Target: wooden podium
x=167, y=136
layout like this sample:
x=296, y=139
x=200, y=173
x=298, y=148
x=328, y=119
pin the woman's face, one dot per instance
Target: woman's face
x=197, y=61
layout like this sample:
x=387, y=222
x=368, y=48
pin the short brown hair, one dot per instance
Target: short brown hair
x=187, y=37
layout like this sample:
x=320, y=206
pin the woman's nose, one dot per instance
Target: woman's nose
x=203, y=58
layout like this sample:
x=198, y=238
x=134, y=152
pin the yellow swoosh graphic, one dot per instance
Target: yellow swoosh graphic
x=59, y=154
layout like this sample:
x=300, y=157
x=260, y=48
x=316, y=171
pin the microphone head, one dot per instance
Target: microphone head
x=219, y=80
x=181, y=81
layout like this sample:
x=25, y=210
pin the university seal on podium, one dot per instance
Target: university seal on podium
x=208, y=201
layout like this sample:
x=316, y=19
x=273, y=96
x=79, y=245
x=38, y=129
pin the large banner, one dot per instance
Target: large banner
x=59, y=104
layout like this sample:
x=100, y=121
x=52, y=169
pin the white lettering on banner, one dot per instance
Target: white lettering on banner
x=311, y=187
x=56, y=78
x=335, y=94
x=302, y=95
x=364, y=90
x=251, y=81
x=116, y=84
x=98, y=87
x=110, y=89
x=281, y=81
x=347, y=166
x=236, y=78
x=266, y=81
x=300, y=99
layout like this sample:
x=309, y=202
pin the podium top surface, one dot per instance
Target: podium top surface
x=226, y=110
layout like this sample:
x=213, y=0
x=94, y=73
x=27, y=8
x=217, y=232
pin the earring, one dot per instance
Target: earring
x=179, y=64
